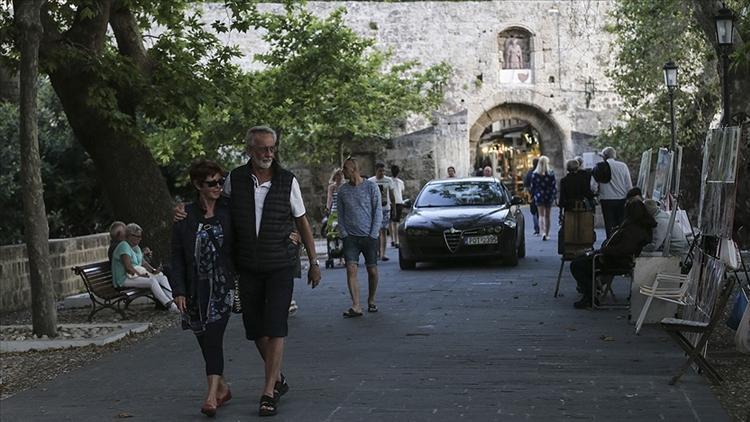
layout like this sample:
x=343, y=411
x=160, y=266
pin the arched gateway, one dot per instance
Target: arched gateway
x=510, y=134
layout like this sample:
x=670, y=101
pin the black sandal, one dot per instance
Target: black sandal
x=267, y=406
x=280, y=388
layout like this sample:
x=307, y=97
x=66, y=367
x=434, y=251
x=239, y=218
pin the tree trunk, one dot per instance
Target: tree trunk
x=135, y=188
x=36, y=229
x=739, y=86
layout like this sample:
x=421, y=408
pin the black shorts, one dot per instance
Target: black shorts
x=265, y=298
x=396, y=213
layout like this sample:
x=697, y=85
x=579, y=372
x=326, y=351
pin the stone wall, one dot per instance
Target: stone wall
x=15, y=288
x=565, y=93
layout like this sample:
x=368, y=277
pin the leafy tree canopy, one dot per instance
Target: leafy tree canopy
x=135, y=73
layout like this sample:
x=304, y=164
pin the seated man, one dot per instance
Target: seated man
x=678, y=244
x=618, y=250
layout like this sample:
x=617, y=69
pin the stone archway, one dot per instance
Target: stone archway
x=552, y=142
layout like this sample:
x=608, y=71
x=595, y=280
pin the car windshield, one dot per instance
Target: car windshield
x=456, y=194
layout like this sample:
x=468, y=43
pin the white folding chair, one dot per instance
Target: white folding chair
x=668, y=287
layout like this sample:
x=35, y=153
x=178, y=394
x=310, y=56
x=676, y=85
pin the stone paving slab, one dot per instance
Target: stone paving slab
x=120, y=331
x=451, y=342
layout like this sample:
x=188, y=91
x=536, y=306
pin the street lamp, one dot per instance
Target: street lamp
x=670, y=79
x=725, y=38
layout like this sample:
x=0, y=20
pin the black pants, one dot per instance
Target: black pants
x=613, y=211
x=212, y=346
x=580, y=267
x=265, y=298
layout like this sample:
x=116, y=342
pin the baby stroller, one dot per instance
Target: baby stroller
x=333, y=241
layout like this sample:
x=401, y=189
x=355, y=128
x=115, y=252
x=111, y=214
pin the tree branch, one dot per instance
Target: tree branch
x=89, y=28
x=128, y=36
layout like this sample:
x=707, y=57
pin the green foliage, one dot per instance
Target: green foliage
x=71, y=193
x=646, y=34
x=322, y=84
x=325, y=84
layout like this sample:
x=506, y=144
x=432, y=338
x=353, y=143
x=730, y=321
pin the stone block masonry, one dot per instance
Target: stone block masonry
x=15, y=288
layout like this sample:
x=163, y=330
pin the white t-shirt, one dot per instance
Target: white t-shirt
x=398, y=190
x=619, y=185
x=261, y=191
x=384, y=185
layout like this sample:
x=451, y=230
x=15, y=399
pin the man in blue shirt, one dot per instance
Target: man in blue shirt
x=360, y=219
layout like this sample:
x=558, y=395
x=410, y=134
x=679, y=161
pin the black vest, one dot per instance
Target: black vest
x=271, y=249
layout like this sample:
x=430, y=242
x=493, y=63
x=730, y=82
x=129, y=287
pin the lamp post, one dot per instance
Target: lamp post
x=670, y=79
x=725, y=38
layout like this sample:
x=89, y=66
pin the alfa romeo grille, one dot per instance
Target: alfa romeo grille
x=452, y=239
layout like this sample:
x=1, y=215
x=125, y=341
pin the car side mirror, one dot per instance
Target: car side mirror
x=516, y=200
x=407, y=203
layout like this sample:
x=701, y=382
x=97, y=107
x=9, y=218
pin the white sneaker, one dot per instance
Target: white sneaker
x=293, y=307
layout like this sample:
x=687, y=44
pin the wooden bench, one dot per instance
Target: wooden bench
x=97, y=278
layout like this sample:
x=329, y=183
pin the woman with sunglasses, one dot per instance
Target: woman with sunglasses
x=202, y=275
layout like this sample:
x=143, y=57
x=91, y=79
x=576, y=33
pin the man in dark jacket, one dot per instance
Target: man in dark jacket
x=618, y=251
x=266, y=207
x=575, y=187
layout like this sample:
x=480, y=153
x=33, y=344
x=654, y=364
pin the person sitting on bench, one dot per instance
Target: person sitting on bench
x=618, y=250
x=678, y=244
x=129, y=269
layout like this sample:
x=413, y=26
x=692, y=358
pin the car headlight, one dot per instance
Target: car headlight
x=490, y=230
x=511, y=224
x=417, y=232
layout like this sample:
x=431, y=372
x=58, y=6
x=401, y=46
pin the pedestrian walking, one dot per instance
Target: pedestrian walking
x=266, y=206
x=202, y=275
x=398, y=204
x=614, y=183
x=360, y=221
x=544, y=192
x=532, y=205
x=385, y=185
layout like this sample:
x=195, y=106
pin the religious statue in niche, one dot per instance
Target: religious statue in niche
x=514, y=49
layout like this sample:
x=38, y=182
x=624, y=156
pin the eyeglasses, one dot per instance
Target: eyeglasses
x=214, y=183
x=271, y=149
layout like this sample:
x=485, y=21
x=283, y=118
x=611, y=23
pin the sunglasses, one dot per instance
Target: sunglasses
x=214, y=183
x=271, y=149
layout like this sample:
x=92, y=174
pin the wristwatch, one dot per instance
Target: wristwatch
x=316, y=263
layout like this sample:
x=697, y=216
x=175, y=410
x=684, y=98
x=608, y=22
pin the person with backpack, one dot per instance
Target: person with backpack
x=614, y=182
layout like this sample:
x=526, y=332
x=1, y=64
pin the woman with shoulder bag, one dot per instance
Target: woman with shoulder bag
x=202, y=274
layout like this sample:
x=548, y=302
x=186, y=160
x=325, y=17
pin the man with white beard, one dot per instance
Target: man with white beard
x=266, y=208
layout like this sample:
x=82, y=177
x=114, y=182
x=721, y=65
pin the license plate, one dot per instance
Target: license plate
x=480, y=240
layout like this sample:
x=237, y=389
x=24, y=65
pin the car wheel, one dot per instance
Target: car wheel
x=522, y=247
x=405, y=264
x=512, y=258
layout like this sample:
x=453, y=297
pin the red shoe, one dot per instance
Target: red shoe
x=221, y=400
x=208, y=410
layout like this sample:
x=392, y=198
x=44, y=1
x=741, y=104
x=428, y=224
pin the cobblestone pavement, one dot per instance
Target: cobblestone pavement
x=451, y=342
